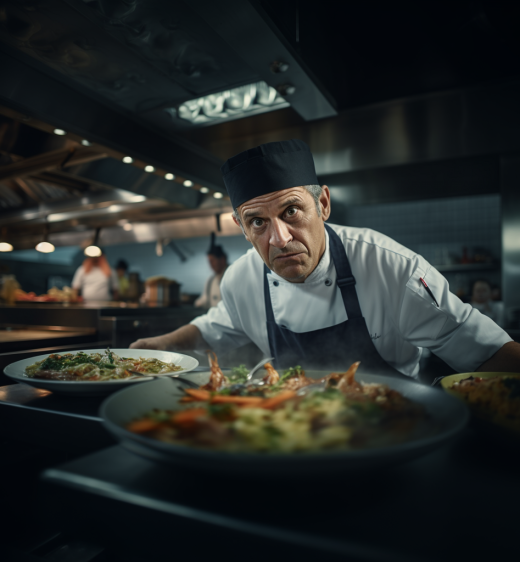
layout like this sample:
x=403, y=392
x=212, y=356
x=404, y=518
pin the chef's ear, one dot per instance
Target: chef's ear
x=325, y=202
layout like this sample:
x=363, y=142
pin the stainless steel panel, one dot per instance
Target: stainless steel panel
x=448, y=125
x=510, y=184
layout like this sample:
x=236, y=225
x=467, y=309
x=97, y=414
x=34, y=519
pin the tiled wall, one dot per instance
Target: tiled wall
x=439, y=229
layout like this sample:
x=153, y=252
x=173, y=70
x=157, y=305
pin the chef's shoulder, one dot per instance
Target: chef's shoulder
x=366, y=247
x=242, y=273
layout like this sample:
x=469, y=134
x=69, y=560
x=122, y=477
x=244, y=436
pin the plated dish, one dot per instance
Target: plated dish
x=493, y=398
x=327, y=435
x=91, y=376
x=286, y=414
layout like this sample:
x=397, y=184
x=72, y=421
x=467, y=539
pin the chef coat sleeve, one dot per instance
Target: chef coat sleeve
x=218, y=329
x=77, y=280
x=458, y=333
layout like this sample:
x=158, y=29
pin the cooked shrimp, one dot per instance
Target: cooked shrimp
x=344, y=381
x=272, y=376
x=217, y=379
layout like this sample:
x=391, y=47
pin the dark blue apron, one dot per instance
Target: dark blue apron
x=336, y=347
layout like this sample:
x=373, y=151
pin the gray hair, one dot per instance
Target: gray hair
x=314, y=190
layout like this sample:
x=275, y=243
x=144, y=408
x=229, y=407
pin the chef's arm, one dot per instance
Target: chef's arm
x=186, y=337
x=505, y=360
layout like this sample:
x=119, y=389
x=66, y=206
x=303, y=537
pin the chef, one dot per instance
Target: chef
x=319, y=295
x=217, y=260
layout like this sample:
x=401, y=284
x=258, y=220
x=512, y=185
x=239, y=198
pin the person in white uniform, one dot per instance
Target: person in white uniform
x=330, y=294
x=95, y=279
x=218, y=262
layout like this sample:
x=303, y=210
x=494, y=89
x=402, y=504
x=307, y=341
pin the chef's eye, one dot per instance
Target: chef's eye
x=291, y=211
x=257, y=223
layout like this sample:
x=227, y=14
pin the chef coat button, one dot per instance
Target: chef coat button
x=328, y=282
x=275, y=283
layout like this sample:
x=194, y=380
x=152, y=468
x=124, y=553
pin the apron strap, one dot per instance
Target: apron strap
x=345, y=280
x=267, y=296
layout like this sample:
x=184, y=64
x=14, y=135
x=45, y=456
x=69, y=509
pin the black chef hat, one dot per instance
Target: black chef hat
x=273, y=166
x=215, y=249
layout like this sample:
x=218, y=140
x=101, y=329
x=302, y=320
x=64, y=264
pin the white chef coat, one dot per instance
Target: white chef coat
x=401, y=316
x=94, y=285
x=211, y=295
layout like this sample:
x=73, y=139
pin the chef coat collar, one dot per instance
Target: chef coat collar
x=324, y=270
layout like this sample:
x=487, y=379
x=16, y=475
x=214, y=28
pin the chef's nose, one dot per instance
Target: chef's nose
x=279, y=234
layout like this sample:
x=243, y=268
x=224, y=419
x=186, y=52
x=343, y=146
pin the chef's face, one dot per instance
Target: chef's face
x=286, y=230
x=481, y=292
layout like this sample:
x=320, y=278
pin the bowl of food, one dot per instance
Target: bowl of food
x=97, y=371
x=493, y=399
x=295, y=422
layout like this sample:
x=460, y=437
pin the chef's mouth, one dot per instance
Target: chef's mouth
x=287, y=256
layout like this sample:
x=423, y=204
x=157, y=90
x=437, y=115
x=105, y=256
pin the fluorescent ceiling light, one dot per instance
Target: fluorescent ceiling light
x=45, y=247
x=169, y=176
x=128, y=159
x=149, y=169
x=60, y=132
x=115, y=208
x=218, y=195
x=138, y=198
x=204, y=190
x=6, y=247
x=230, y=104
x=187, y=183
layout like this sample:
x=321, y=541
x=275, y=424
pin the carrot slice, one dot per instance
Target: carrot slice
x=240, y=400
x=198, y=393
x=270, y=403
x=142, y=426
x=187, y=399
x=188, y=415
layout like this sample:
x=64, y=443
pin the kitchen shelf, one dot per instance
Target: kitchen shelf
x=469, y=267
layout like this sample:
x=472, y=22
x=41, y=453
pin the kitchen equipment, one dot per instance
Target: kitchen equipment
x=160, y=291
x=16, y=371
x=448, y=417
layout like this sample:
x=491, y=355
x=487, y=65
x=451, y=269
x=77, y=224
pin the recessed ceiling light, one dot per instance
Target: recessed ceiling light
x=6, y=247
x=187, y=183
x=128, y=159
x=138, y=198
x=127, y=226
x=149, y=169
x=85, y=142
x=60, y=132
x=169, y=176
x=217, y=195
x=204, y=190
x=45, y=247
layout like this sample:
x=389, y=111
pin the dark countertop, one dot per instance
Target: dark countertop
x=458, y=503
x=64, y=423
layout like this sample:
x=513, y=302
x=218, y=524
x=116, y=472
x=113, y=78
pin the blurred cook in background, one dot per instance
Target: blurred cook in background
x=94, y=280
x=217, y=259
x=122, y=279
x=482, y=300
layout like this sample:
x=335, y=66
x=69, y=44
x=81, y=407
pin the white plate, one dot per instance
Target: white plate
x=16, y=371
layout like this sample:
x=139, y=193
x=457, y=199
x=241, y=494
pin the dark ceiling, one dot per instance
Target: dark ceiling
x=373, y=51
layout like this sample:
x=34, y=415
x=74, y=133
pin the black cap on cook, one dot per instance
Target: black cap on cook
x=273, y=166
